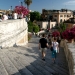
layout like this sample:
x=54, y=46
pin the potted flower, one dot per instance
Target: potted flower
x=21, y=10
x=55, y=34
x=69, y=34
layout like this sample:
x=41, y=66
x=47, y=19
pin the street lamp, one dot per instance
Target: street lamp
x=21, y=3
x=11, y=9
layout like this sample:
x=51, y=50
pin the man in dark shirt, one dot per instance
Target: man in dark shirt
x=43, y=44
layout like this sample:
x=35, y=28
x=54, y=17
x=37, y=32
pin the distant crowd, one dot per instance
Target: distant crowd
x=14, y=15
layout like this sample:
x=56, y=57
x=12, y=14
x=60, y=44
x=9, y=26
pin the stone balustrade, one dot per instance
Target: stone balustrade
x=69, y=49
x=13, y=32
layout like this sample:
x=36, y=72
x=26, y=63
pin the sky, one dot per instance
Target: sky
x=38, y=5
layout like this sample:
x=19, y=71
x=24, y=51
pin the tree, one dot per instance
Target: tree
x=35, y=28
x=28, y=2
x=32, y=27
x=35, y=16
x=62, y=27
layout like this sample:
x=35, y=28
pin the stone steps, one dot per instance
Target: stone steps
x=23, y=60
x=2, y=69
x=25, y=64
x=60, y=64
x=27, y=61
x=9, y=66
x=17, y=62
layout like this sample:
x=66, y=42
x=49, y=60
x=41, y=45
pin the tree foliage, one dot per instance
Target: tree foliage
x=35, y=28
x=32, y=27
x=28, y=2
x=62, y=27
x=35, y=16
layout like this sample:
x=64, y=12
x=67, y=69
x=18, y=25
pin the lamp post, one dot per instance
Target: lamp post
x=11, y=9
x=21, y=3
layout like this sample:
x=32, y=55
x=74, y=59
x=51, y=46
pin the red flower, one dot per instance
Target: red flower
x=55, y=34
x=21, y=9
x=69, y=34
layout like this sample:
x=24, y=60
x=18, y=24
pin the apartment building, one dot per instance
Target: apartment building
x=57, y=15
x=51, y=18
x=46, y=14
x=61, y=16
x=70, y=23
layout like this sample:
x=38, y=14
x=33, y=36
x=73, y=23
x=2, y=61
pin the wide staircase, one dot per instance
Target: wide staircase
x=27, y=61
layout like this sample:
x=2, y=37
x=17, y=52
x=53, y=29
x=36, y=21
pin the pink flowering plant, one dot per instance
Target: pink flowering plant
x=21, y=10
x=69, y=34
x=55, y=33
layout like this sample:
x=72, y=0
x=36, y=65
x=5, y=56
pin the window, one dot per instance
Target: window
x=45, y=15
x=61, y=15
x=55, y=15
x=64, y=15
x=68, y=15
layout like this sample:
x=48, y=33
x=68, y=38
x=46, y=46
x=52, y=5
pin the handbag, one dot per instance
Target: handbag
x=52, y=47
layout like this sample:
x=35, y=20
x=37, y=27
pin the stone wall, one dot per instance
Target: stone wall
x=13, y=32
x=69, y=49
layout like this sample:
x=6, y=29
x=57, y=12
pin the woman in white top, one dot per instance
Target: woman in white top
x=5, y=17
x=15, y=15
x=55, y=49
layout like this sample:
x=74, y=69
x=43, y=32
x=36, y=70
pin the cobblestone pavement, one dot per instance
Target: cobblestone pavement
x=26, y=60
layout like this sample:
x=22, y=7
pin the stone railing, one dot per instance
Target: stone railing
x=13, y=32
x=69, y=49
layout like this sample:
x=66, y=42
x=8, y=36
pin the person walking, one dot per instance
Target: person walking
x=55, y=46
x=43, y=45
x=58, y=40
x=49, y=39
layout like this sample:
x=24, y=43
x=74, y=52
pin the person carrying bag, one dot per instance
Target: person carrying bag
x=54, y=49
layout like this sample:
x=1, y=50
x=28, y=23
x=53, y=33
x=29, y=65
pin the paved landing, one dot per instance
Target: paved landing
x=27, y=61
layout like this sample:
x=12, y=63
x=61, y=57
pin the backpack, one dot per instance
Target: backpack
x=51, y=48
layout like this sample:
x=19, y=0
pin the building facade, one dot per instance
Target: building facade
x=57, y=15
x=61, y=16
x=46, y=14
x=46, y=24
x=70, y=23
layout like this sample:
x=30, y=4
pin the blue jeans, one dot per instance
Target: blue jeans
x=54, y=54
